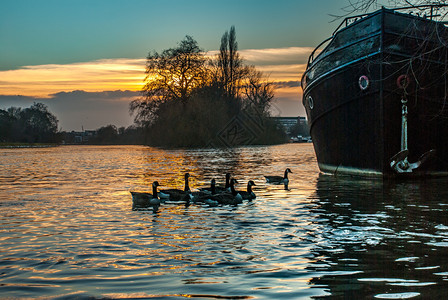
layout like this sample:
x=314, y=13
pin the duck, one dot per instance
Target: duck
x=144, y=199
x=229, y=198
x=209, y=190
x=279, y=179
x=204, y=193
x=207, y=196
x=249, y=194
x=177, y=194
x=213, y=198
x=218, y=189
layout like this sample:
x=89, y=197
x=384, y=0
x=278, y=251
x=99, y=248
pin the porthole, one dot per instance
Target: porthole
x=363, y=82
x=310, y=102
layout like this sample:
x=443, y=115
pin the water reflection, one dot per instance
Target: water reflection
x=68, y=228
x=383, y=239
x=169, y=166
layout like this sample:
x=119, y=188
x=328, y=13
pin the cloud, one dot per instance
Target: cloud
x=288, y=99
x=287, y=107
x=277, y=56
x=282, y=64
x=78, y=109
x=95, y=76
x=279, y=64
x=274, y=56
x=283, y=84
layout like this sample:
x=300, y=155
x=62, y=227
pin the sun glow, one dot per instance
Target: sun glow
x=283, y=66
x=95, y=76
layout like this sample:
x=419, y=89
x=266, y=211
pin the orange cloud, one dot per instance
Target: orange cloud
x=95, y=76
x=288, y=55
x=281, y=65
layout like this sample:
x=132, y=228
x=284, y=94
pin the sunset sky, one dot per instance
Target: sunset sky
x=85, y=59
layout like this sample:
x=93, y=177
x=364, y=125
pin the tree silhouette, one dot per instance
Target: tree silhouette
x=38, y=124
x=35, y=124
x=6, y=123
x=190, y=101
x=258, y=91
x=230, y=67
x=173, y=74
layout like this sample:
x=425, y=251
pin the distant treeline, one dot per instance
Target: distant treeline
x=106, y=135
x=191, y=100
x=36, y=125
x=30, y=125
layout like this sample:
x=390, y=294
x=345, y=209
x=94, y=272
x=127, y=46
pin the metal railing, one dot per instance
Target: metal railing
x=431, y=8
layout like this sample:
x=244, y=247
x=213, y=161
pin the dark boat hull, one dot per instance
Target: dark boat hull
x=353, y=92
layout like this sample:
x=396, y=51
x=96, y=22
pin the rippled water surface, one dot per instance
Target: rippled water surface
x=68, y=229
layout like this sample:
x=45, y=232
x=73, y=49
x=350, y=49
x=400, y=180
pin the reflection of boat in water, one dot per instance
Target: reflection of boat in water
x=374, y=237
x=376, y=96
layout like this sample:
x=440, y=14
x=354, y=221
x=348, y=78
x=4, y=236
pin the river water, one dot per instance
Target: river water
x=68, y=229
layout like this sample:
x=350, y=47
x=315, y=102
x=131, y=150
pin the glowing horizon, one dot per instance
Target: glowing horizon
x=280, y=65
x=95, y=76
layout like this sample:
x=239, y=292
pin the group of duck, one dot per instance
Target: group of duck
x=212, y=196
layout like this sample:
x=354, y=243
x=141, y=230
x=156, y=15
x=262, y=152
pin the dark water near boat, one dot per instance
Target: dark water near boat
x=68, y=230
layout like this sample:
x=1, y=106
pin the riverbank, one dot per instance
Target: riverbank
x=27, y=145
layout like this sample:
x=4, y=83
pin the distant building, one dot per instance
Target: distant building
x=287, y=122
x=79, y=137
x=303, y=121
x=89, y=134
x=290, y=122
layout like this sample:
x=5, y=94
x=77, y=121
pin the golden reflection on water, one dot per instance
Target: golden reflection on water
x=67, y=211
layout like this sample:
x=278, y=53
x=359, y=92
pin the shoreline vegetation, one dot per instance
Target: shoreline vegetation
x=188, y=100
x=28, y=145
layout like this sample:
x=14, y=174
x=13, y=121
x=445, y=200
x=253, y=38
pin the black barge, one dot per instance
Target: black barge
x=376, y=96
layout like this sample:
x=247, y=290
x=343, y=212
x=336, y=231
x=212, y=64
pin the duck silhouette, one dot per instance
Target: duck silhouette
x=279, y=179
x=249, y=194
x=218, y=189
x=204, y=193
x=144, y=199
x=229, y=198
x=177, y=194
x=214, y=198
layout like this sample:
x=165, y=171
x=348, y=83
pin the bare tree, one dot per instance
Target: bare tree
x=171, y=75
x=189, y=102
x=231, y=69
x=258, y=91
x=176, y=72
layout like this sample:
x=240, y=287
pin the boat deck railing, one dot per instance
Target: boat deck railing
x=422, y=9
x=432, y=9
